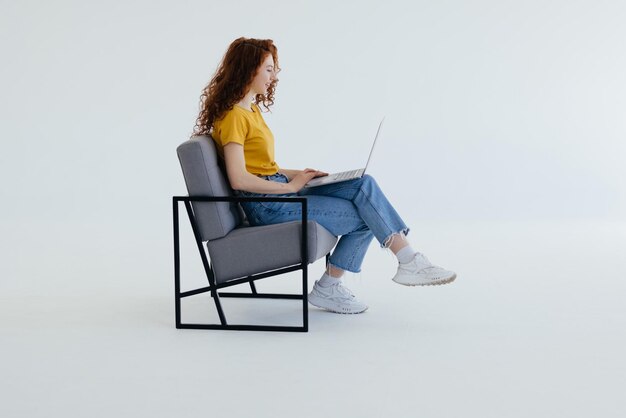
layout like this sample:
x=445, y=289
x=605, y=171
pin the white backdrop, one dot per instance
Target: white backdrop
x=503, y=150
x=495, y=109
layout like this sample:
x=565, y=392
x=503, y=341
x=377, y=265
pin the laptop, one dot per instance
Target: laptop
x=345, y=175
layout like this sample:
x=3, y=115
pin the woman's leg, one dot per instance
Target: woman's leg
x=339, y=216
x=354, y=209
x=414, y=269
x=371, y=204
x=374, y=215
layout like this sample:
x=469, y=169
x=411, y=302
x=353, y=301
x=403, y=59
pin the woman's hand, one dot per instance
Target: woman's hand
x=319, y=173
x=303, y=177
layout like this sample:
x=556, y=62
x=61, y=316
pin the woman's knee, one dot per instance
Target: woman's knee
x=368, y=181
x=368, y=178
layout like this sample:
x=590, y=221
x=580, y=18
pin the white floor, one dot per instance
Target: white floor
x=534, y=326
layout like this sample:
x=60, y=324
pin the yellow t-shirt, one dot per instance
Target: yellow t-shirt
x=248, y=129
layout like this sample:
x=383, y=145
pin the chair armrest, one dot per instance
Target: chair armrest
x=237, y=199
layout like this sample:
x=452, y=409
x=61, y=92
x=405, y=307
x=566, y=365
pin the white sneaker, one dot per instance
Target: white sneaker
x=421, y=272
x=335, y=298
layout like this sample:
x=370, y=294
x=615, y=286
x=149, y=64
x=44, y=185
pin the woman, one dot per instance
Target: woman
x=357, y=210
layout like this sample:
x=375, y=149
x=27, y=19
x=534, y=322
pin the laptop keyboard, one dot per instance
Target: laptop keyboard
x=346, y=174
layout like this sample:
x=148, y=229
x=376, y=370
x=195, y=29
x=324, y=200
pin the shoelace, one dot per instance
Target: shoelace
x=343, y=291
x=425, y=260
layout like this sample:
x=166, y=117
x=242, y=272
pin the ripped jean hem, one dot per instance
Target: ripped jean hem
x=389, y=240
x=329, y=264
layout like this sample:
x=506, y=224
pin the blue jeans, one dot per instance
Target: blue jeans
x=357, y=210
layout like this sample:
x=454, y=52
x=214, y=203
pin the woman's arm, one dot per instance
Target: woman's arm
x=289, y=173
x=240, y=179
x=293, y=173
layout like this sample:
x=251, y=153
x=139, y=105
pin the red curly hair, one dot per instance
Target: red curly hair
x=232, y=80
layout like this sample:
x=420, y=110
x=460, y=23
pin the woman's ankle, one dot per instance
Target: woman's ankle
x=334, y=272
x=396, y=242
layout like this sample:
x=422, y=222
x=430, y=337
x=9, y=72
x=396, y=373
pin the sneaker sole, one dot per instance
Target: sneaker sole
x=329, y=309
x=436, y=283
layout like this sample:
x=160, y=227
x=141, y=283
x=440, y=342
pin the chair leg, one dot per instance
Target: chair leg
x=305, y=299
x=205, y=263
x=176, y=266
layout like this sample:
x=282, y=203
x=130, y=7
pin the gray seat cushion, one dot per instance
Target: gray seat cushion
x=256, y=249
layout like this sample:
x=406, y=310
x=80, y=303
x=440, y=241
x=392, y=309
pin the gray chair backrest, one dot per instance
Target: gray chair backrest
x=204, y=177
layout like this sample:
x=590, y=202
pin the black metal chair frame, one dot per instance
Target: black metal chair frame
x=215, y=287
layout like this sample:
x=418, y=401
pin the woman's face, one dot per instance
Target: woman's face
x=265, y=75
